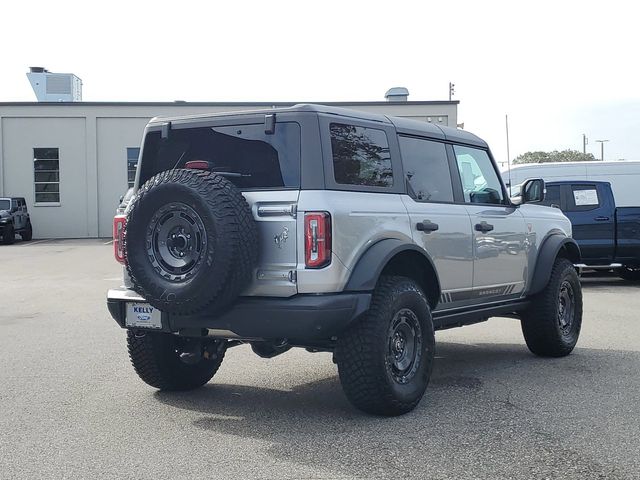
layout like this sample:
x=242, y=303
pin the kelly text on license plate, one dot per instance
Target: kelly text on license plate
x=143, y=315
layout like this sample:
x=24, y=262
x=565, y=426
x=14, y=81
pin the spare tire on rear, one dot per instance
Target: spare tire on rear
x=191, y=243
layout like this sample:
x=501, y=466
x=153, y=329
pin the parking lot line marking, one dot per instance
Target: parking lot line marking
x=33, y=242
x=107, y=243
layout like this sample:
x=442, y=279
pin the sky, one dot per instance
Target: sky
x=558, y=69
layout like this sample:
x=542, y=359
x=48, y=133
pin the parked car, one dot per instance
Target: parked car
x=14, y=219
x=608, y=236
x=624, y=176
x=332, y=230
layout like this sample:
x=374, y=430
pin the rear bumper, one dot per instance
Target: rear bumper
x=301, y=317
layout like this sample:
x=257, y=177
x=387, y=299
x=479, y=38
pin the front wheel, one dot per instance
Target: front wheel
x=169, y=362
x=9, y=235
x=385, y=359
x=551, y=325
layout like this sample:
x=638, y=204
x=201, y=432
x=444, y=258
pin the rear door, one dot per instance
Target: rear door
x=593, y=221
x=438, y=224
x=499, y=246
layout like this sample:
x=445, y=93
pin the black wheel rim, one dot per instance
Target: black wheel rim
x=566, y=307
x=176, y=241
x=404, y=346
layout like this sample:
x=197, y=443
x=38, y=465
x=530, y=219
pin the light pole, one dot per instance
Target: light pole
x=602, y=149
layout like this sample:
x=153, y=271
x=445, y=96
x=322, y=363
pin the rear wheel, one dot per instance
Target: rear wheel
x=385, y=359
x=9, y=235
x=27, y=233
x=551, y=326
x=169, y=362
x=629, y=273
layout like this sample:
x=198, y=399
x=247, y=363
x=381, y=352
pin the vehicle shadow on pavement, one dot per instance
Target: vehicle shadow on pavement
x=495, y=397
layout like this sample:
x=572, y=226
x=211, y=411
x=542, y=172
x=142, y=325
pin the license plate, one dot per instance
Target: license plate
x=143, y=315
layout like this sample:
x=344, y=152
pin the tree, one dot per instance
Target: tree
x=555, y=156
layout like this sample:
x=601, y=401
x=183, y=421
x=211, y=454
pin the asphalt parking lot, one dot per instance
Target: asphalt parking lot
x=71, y=405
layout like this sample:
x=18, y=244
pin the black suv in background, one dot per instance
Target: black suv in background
x=14, y=218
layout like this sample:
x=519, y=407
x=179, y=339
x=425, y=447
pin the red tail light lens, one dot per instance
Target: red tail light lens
x=119, y=223
x=317, y=236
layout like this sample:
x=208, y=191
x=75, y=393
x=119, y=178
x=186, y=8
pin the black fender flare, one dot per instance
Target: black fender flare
x=369, y=266
x=547, y=255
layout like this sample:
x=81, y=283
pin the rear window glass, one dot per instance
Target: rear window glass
x=360, y=156
x=5, y=204
x=244, y=154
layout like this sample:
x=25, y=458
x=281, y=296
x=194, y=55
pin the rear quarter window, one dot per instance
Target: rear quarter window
x=361, y=156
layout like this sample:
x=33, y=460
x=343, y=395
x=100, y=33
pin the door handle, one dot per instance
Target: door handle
x=484, y=227
x=601, y=219
x=427, y=226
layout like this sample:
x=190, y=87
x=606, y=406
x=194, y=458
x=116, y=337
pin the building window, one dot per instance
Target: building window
x=360, y=156
x=132, y=164
x=46, y=175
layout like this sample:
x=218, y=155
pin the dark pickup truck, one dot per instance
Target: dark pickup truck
x=608, y=236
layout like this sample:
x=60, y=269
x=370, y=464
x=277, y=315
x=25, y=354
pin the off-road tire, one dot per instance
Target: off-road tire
x=227, y=262
x=8, y=235
x=362, y=352
x=631, y=274
x=541, y=322
x=27, y=233
x=154, y=358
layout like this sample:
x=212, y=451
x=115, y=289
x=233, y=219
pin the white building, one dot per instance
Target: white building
x=72, y=161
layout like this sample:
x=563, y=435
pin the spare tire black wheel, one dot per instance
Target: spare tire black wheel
x=191, y=243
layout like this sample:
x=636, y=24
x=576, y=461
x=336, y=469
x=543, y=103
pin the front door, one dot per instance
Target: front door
x=499, y=247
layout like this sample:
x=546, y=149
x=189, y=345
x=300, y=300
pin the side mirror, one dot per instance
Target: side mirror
x=533, y=191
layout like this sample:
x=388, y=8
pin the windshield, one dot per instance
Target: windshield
x=5, y=204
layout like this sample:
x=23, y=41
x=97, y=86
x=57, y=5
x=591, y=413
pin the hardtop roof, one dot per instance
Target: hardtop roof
x=402, y=125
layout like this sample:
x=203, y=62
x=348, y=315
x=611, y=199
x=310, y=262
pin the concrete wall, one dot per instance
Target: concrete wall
x=69, y=218
x=92, y=139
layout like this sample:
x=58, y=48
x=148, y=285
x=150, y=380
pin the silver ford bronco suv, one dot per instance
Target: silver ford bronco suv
x=335, y=231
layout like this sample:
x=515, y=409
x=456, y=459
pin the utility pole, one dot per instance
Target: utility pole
x=602, y=149
x=585, y=141
x=451, y=90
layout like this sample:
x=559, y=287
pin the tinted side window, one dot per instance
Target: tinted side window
x=552, y=196
x=583, y=197
x=427, y=169
x=360, y=156
x=480, y=181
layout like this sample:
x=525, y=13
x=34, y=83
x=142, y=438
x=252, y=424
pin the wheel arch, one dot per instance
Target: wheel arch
x=554, y=246
x=395, y=257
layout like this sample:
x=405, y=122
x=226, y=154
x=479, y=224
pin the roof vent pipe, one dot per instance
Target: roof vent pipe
x=397, y=94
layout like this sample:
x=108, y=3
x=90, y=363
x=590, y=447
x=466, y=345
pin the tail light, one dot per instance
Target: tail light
x=119, y=223
x=317, y=236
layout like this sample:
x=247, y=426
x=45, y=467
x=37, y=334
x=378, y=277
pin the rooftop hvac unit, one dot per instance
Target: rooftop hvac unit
x=55, y=87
